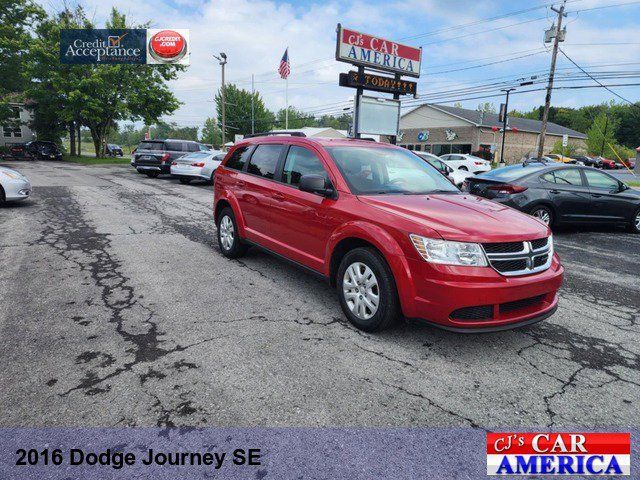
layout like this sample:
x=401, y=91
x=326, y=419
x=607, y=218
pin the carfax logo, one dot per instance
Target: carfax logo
x=559, y=454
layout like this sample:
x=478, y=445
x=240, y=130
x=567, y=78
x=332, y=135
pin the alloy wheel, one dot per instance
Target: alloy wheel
x=226, y=232
x=637, y=221
x=361, y=290
x=543, y=215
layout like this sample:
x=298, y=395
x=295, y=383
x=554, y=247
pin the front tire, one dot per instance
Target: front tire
x=228, y=238
x=367, y=290
x=544, y=214
x=463, y=168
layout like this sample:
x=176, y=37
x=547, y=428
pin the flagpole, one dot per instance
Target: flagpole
x=286, y=101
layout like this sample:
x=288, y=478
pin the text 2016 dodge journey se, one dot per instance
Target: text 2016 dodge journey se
x=389, y=231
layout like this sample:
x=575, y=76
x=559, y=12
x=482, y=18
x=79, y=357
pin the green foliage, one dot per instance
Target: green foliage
x=211, y=133
x=17, y=18
x=486, y=107
x=297, y=119
x=569, y=151
x=601, y=135
x=238, y=111
x=172, y=130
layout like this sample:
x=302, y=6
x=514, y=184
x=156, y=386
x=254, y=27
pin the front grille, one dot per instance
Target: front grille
x=538, y=244
x=509, y=265
x=541, y=260
x=481, y=312
x=508, y=247
x=520, y=304
x=519, y=258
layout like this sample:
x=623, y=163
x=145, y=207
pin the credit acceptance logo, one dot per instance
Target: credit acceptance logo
x=168, y=46
x=558, y=454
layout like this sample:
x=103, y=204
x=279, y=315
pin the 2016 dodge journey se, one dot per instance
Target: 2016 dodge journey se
x=389, y=231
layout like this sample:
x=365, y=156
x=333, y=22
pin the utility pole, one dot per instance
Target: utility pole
x=223, y=61
x=554, y=55
x=504, y=122
x=253, y=122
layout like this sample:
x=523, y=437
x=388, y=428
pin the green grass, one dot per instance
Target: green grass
x=634, y=183
x=98, y=161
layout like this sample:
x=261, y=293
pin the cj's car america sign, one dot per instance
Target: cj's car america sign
x=132, y=46
x=580, y=454
x=374, y=52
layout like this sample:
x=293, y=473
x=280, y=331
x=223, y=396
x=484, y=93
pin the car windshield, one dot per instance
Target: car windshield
x=380, y=170
x=512, y=172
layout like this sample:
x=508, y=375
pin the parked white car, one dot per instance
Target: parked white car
x=197, y=166
x=460, y=161
x=456, y=176
x=13, y=185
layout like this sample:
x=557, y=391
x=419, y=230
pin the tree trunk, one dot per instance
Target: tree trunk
x=72, y=139
x=79, y=139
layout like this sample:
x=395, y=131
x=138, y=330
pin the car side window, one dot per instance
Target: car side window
x=301, y=161
x=174, y=146
x=569, y=176
x=202, y=148
x=192, y=147
x=600, y=180
x=238, y=158
x=264, y=160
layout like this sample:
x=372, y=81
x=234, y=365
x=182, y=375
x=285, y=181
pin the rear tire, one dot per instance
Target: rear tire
x=463, y=168
x=228, y=239
x=367, y=290
x=185, y=181
x=543, y=214
x=152, y=174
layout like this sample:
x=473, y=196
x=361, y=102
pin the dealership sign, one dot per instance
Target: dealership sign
x=124, y=46
x=374, y=52
x=377, y=83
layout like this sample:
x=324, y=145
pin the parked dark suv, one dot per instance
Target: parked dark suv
x=43, y=150
x=154, y=157
x=389, y=231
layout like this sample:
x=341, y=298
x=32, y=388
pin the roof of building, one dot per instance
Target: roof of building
x=481, y=119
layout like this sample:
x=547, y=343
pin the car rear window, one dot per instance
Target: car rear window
x=151, y=146
x=512, y=172
x=264, y=160
x=176, y=146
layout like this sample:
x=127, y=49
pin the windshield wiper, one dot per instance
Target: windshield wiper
x=431, y=192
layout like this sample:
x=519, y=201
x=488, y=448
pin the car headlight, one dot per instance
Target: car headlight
x=449, y=253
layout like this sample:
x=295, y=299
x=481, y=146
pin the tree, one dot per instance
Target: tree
x=486, y=107
x=17, y=19
x=172, y=130
x=568, y=151
x=238, y=111
x=211, y=133
x=297, y=119
x=602, y=135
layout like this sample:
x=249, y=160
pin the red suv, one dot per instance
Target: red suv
x=389, y=231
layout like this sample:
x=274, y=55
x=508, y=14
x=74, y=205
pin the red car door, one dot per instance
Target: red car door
x=302, y=222
x=256, y=200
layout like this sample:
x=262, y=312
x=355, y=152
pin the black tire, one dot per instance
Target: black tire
x=2, y=195
x=152, y=174
x=388, y=308
x=539, y=211
x=185, y=181
x=212, y=180
x=236, y=249
x=464, y=168
x=634, y=226
x=140, y=171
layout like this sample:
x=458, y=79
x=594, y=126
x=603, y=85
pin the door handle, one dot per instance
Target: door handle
x=278, y=196
x=555, y=191
x=597, y=195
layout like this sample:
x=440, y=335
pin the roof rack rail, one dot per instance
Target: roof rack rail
x=275, y=133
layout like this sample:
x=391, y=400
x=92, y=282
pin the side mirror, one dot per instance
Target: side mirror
x=622, y=187
x=449, y=169
x=315, y=184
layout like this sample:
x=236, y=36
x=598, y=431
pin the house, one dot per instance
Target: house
x=442, y=129
x=18, y=131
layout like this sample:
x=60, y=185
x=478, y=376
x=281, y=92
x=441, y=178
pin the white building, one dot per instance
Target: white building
x=18, y=133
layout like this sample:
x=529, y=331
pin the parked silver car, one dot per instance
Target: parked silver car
x=197, y=166
x=13, y=185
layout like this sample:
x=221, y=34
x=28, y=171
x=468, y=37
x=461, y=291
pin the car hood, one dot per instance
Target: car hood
x=464, y=218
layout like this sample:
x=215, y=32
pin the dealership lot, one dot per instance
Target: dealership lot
x=116, y=308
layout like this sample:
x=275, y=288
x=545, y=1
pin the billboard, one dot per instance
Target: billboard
x=124, y=46
x=378, y=115
x=370, y=51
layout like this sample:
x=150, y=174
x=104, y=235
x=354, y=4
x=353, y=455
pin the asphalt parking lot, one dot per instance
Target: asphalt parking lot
x=117, y=309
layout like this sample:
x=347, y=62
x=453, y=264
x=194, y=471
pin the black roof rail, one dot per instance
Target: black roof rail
x=277, y=132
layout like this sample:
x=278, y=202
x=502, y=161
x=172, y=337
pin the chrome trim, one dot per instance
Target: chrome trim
x=528, y=253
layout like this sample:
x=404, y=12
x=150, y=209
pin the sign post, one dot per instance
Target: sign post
x=381, y=55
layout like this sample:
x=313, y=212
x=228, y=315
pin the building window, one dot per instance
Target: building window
x=6, y=131
x=410, y=147
x=447, y=148
x=418, y=148
x=17, y=132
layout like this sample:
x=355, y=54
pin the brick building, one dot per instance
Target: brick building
x=441, y=129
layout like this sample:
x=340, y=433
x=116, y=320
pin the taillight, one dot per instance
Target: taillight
x=165, y=157
x=507, y=189
x=174, y=163
x=479, y=163
x=200, y=164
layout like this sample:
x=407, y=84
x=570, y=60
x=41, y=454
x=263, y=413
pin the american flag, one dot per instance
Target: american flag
x=285, y=68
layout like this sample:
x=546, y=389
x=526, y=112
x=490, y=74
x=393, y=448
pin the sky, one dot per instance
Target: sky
x=465, y=44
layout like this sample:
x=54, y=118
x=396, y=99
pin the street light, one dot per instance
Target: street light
x=222, y=59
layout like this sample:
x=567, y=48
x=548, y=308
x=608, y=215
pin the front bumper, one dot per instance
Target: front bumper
x=17, y=190
x=479, y=298
x=187, y=171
